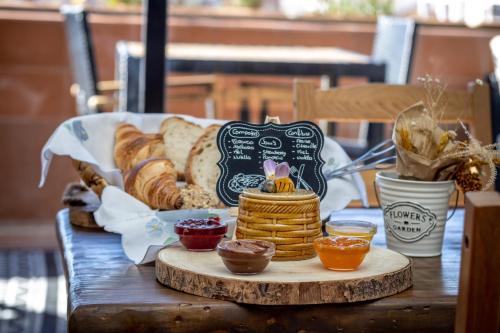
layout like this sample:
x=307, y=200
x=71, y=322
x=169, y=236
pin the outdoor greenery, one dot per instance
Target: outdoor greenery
x=359, y=7
x=249, y=3
x=126, y=2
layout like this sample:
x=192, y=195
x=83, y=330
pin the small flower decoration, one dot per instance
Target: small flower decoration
x=155, y=227
x=269, y=169
x=277, y=177
x=276, y=171
x=331, y=163
x=282, y=170
x=478, y=169
x=80, y=131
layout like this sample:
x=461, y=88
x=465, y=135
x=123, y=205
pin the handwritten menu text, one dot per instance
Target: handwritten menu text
x=244, y=147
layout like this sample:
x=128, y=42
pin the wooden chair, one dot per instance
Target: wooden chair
x=495, y=114
x=381, y=103
x=127, y=66
x=253, y=92
x=87, y=91
x=394, y=46
x=214, y=88
x=493, y=80
x=90, y=94
x=495, y=54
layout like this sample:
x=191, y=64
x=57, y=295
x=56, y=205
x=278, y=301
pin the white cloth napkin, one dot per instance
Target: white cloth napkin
x=144, y=231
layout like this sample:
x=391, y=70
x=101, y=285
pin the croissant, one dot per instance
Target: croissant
x=95, y=182
x=133, y=146
x=153, y=181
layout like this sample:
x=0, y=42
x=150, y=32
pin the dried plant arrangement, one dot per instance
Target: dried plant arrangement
x=427, y=152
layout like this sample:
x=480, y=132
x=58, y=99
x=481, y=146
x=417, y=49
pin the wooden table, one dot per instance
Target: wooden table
x=108, y=293
x=242, y=59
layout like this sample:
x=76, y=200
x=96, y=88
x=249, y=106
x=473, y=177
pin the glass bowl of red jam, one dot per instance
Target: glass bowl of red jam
x=341, y=253
x=200, y=234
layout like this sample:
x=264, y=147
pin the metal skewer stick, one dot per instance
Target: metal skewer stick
x=299, y=175
x=360, y=164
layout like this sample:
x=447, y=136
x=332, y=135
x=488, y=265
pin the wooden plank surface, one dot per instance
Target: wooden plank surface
x=108, y=293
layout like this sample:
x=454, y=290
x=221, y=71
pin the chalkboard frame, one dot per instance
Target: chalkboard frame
x=221, y=192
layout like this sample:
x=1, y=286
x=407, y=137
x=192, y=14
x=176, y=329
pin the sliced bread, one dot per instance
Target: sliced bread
x=179, y=137
x=194, y=196
x=201, y=167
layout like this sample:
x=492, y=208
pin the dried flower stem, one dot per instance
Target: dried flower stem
x=484, y=155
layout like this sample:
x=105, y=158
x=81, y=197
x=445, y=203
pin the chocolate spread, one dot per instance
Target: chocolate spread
x=246, y=256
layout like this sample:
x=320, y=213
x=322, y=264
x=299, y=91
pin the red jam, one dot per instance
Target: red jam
x=200, y=234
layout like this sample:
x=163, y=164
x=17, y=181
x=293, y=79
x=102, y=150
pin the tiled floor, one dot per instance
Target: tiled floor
x=32, y=285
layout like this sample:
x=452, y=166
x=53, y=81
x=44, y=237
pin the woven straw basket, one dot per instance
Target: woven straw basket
x=289, y=220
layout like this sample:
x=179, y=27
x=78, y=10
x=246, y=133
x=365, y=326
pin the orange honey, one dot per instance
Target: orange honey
x=341, y=253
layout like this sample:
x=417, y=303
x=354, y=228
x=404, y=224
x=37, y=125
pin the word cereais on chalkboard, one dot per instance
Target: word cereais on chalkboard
x=244, y=147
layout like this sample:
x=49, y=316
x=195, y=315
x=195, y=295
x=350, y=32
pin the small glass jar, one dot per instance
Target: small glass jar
x=200, y=234
x=341, y=253
x=351, y=228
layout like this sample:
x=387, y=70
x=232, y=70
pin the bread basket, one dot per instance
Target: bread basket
x=289, y=220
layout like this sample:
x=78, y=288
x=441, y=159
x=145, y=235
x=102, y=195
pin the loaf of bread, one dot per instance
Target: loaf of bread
x=133, y=146
x=201, y=166
x=153, y=181
x=179, y=137
x=194, y=196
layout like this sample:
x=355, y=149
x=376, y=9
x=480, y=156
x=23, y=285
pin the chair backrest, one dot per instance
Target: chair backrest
x=493, y=80
x=377, y=102
x=381, y=103
x=495, y=53
x=394, y=45
x=81, y=54
x=127, y=67
x=495, y=114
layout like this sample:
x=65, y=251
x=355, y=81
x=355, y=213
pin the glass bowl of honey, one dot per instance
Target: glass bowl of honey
x=341, y=253
x=351, y=228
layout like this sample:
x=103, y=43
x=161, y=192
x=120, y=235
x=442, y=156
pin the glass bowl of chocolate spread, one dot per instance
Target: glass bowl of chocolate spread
x=246, y=256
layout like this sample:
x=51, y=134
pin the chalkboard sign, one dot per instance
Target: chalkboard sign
x=244, y=147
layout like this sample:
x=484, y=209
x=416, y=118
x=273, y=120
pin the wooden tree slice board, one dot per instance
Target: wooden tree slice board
x=382, y=273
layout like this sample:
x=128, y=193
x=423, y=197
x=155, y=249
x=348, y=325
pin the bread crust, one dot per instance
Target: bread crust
x=172, y=121
x=196, y=150
x=95, y=182
x=157, y=189
x=132, y=146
